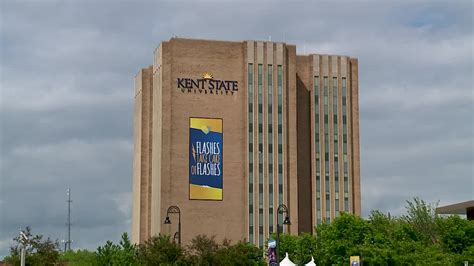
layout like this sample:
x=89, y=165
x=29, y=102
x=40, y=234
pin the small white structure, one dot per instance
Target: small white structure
x=286, y=261
x=311, y=263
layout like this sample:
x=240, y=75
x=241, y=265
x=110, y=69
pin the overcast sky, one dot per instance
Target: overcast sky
x=66, y=79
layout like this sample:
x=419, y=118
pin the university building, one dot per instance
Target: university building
x=227, y=131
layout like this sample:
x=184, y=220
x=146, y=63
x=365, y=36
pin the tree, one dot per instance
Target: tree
x=202, y=250
x=422, y=216
x=456, y=234
x=288, y=244
x=337, y=241
x=159, y=250
x=378, y=242
x=122, y=254
x=305, y=247
x=241, y=253
x=39, y=251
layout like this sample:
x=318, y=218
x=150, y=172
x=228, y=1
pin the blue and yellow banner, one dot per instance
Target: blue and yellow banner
x=205, y=159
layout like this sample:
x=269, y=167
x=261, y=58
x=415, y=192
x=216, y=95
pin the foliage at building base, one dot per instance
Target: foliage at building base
x=418, y=238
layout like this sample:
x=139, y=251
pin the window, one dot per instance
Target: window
x=327, y=184
x=318, y=183
x=328, y=207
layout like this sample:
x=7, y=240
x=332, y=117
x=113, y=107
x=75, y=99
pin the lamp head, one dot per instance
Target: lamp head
x=287, y=220
x=167, y=220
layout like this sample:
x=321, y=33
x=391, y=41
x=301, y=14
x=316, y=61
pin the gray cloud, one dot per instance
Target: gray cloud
x=66, y=79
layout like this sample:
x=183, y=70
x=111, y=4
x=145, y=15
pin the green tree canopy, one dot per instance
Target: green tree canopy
x=39, y=251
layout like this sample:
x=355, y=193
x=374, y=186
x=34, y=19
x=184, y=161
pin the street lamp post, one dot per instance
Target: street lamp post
x=174, y=209
x=175, y=236
x=23, y=242
x=283, y=210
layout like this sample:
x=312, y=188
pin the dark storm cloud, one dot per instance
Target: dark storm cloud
x=66, y=99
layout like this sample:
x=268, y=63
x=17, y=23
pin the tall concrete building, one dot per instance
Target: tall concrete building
x=228, y=131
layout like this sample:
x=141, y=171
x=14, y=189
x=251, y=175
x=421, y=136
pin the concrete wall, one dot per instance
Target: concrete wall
x=142, y=155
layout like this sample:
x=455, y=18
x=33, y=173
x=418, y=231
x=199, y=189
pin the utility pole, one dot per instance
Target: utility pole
x=68, y=242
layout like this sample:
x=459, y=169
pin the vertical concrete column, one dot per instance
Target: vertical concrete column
x=290, y=126
x=355, y=147
x=316, y=62
x=251, y=136
x=137, y=159
x=324, y=74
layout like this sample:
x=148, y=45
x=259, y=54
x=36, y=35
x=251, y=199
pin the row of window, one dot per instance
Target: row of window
x=270, y=145
x=280, y=141
x=260, y=151
x=250, y=152
x=318, y=149
x=345, y=157
x=326, y=132
x=260, y=154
